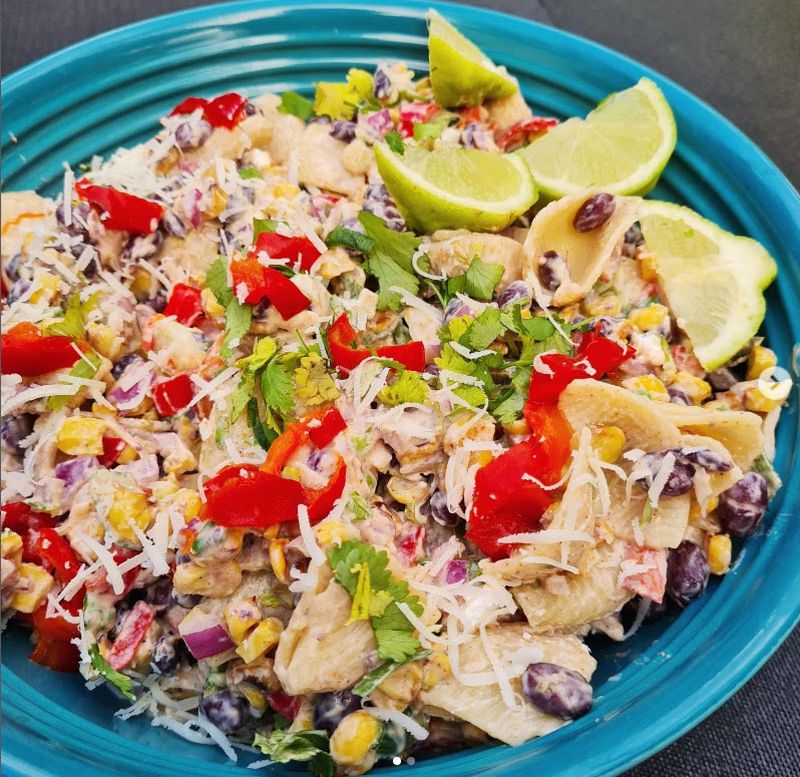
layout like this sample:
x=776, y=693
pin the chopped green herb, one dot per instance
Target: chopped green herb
x=409, y=387
x=73, y=323
x=283, y=746
x=395, y=142
x=237, y=315
x=371, y=681
x=296, y=105
x=249, y=172
x=121, y=681
x=277, y=387
x=478, y=281
x=86, y=367
x=263, y=351
x=263, y=225
x=350, y=239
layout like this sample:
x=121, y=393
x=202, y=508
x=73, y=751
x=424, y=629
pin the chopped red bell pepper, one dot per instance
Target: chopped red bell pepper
x=185, y=304
x=57, y=655
x=56, y=554
x=56, y=627
x=243, y=495
x=321, y=500
x=173, y=395
x=26, y=352
x=415, y=113
x=125, y=212
x=285, y=705
x=341, y=337
x=112, y=450
x=469, y=114
x=522, y=131
x=595, y=357
x=227, y=110
x=98, y=582
x=329, y=427
x=293, y=249
x=26, y=522
x=130, y=635
x=261, y=282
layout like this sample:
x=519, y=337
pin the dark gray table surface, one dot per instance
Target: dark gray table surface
x=742, y=57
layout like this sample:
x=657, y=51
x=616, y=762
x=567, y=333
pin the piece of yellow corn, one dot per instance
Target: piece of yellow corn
x=436, y=669
x=760, y=359
x=253, y=694
x=649, y=385
x=105, y=340
x=47, y=286
x=277, y=559
x=79, y=436
x=143, y=285
x=217, y=202
x=697, y=389
x=608, y=442
x=719, y=554
x=647, y=264
x=332, y=533
x=32, y=588
x=354, y=738
x=607, y=304
x=403, y=684
x=241, y=615
x=285, y=191
x=11, y=545
x=129, y=507
x=694, y=511
x=217, y=581
x=757, y=402
x=210, y=305
x=649, y=318
x=262, y=638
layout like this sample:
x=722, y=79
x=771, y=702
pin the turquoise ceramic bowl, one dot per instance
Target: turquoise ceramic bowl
x=110, y=90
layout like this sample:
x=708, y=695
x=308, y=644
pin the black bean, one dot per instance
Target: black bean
x=552, y=268
x=687, y=572
x=454, y=309
x=158, y=594
x=595, y=212
x=172, y=224
x=17, y=290
x=158, y=302
x=678, y=397
x=250, y=109
x=14, y=429
x=164, y=659
x=142, y=247
x=226, y=710
x=123, y=363
x=12, y=267
x=515, y=292
x=709, y=460
x=680, y=477
x=190, y=135
x=381, y=83
x=722, y=379
x=556, y=690
x=187, y=601
x=343, y=130
x=743, y=505
x=440, y=512
x=330, y=708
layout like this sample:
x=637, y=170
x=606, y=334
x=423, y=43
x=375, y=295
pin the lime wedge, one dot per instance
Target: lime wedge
x=461, y=74
x=714, y=281
x=456, y=188
x=621, y=146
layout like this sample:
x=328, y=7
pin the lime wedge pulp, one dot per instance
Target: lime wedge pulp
x=621, y=146
x=713, y=280
x=461, y=74
x=456, y=188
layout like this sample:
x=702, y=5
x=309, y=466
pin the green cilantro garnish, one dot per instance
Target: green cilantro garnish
x=121, y=681
x=395, y=142
x=283, y=746
x=237, y=315
x=73, y=323
x=431, y=130
x=263, y=351
x=371, y=681
x=249, y=172
x=277, y=387
x=350, y=239
x=362, y=571
x=296, y=105
x=409, y=387
x=478, y=282
x=263, y=225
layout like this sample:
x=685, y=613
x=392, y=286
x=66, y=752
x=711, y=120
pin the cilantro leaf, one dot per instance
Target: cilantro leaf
x=217, y=281
x=263, y=351
x=395, y=142
x=483, y=331
x=73, y=323
x=510, y=408
x=265, y=435
x=322, y=765
x=409, y=387
x=481, y=278
x=80, y=370
x=357, y=507
x=352, y=562
x=391, y=276
x=121, y=681
x=277, y=387
x=249, y=172
x=371, y=681
x=350, y=239
x=263, y=225
x=237, y=315
x=282, y=746
x=431, y=130
x=296, y=105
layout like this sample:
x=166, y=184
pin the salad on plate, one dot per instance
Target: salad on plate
x=331, y=427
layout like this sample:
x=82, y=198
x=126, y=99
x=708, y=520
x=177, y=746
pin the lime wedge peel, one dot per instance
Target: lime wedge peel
x=621, y=146
x=456, y=188
x=461, y=74
x=714, y=281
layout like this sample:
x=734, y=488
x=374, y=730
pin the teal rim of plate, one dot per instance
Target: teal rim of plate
x=720, y=641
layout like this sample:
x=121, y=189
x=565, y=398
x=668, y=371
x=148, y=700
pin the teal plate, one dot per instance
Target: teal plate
x=110, y=90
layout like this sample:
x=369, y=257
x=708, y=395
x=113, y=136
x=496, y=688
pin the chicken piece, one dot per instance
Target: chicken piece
x=20, y=214
x=223, y=142
x=285, y=128
x=187, y=259
x=452, y=250
x=176, y=348
x=506, y=111
x=317, y=652
x=320, y=162
x=482, y=705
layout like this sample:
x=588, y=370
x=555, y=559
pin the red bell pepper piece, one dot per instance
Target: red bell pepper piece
x=112, y=450
x=20, y=518
x=243, y=495
x=285, y=705
x=185, y=304
x=521, y=131
x=293, y=249
x=595, y=357
x=57, y=627
x=321, y=500
x=261, y=282
x=341, y=337
x=130, y=635
x=329, y=426
x=26, y=352
x=415, y=113
x=227, y=110
x=173, y=395
x=57, y=554
x=55, y=654
x=125, y=212
x=98, y=582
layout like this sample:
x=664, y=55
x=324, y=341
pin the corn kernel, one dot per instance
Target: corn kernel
x=518, y=427
x=262, y=638
x=757, y=402
x=47, y=286
x=760, y=359
x=11, y=544
x=218, y=202
x=696, y=514
x=127, y=508
x=39, y=582
x=102, y=410
x=189, y=502
x=354, y=738
x=256, y=697
x=647, y=265
x=143, y=284
x=608, y=304
x=403, y=684
x=437, y=668
x=161, y=489
x=648, y=385
x=105, y=340
x=210, y=305
x=271, y=532
x=649, y=318
x=332, y=533
x=217, y=581
x=80, y=436
x=608, y=442
x=695, y=388
x=128, y=454
x=241, y=615
x=285, y=191
x=277, y=559
x=719, y=554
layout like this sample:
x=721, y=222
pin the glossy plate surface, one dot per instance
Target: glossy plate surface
x=110, y=90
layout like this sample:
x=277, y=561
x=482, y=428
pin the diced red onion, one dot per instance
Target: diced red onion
x=143, y=470
x=456, y=572
x=204, y=635
x=379, y=122
x=75, y=472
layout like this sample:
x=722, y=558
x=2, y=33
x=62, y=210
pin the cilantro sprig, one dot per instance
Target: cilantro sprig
x=238, y=316
x=104, y=669
x=283, y=746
